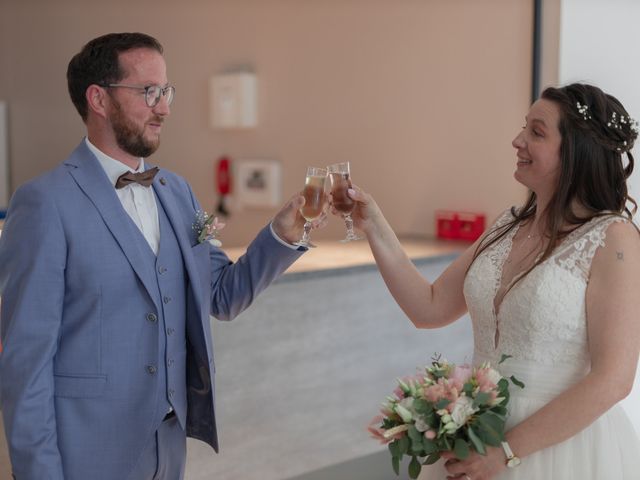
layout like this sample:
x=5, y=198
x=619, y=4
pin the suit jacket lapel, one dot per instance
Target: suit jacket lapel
x=91, y=178
x=175, y=217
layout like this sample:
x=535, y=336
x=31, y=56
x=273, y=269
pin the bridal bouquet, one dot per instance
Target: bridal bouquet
x=444, y=408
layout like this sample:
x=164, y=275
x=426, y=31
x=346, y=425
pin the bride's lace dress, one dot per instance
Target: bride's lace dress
x=541, y=322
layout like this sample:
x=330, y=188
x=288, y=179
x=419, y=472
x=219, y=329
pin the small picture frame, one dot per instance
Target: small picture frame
x=258, y=183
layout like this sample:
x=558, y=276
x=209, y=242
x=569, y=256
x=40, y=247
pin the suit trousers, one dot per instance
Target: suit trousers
x=165, y=456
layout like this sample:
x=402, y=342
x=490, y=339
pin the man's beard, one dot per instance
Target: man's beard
x=130, y=138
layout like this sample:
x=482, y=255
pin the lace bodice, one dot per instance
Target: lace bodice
x=543, y=317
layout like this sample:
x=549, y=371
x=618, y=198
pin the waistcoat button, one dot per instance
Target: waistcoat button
x=152, y=317
x=151, y=369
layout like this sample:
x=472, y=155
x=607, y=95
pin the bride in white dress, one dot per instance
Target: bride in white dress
x=556, y=284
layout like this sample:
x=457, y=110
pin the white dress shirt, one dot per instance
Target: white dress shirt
x=138, y=201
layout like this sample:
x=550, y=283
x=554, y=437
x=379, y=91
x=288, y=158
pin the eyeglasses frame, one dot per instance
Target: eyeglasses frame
x=164, y=92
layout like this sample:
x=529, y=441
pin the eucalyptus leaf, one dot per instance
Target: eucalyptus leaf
x=492, y=428
x=461, y=449
x=504, y=357
x=395, y=463
x=403, y=445
x=416, y=447
x=429, y=446
x=431, y=459
x=394, y=449
x=414, y=434
x=517, y=382
x=442, y=403
x=481, y=399
x=477, y=443
x=500, y=410
x=414, y=468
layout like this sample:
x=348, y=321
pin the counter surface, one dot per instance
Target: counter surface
x=332, y=255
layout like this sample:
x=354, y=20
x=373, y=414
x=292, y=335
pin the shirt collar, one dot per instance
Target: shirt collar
x=112, y=167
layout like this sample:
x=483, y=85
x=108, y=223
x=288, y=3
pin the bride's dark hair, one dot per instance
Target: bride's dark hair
x=596, y=131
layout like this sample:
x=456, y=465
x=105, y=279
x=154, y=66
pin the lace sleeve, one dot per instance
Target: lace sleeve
x=577, y=255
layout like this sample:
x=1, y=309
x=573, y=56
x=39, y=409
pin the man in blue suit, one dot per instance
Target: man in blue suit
x=106, y=292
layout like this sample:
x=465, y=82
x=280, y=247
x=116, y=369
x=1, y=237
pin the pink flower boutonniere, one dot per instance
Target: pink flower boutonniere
x=207, y=228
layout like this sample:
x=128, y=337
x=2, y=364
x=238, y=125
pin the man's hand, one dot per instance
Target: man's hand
x=288, y=223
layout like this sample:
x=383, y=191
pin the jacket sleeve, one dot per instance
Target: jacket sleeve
x=234, y=286
x=32, y=264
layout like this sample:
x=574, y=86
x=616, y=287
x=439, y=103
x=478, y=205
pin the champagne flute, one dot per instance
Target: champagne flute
x=315, y=200
x=340, y=182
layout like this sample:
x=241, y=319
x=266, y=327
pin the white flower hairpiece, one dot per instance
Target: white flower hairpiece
x=583, y=110
x=618, y=122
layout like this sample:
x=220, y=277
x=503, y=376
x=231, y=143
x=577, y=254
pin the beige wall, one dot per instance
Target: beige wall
x=422, y=96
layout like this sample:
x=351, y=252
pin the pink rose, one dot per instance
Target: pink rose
x=430, y=434
x=461, y=375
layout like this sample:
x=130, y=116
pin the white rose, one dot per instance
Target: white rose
x=462, y=410
x=421, y=425
x=493, y=376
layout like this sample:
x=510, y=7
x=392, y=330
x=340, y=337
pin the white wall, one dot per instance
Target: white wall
x=600, y=44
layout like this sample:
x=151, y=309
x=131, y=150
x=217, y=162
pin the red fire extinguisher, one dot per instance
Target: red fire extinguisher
x=223, y=184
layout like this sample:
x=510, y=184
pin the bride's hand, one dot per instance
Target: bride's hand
x=475, y=466
x=366, y=211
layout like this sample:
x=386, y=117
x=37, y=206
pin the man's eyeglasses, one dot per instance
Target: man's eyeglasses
x=152, y=93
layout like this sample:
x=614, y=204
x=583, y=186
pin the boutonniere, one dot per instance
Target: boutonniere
x=207, y=228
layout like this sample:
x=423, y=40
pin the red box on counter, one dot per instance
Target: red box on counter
x=453, y=225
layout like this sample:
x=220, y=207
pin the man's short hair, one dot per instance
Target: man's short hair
x=98, y=63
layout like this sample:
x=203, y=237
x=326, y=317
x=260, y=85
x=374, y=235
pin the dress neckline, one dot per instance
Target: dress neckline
x=567, y=241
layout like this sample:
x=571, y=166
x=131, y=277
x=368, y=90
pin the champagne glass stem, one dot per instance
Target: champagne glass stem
x=351, y=235
x=305, y=241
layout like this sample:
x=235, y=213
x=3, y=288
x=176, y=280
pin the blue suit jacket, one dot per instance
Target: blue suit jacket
x=75, y=290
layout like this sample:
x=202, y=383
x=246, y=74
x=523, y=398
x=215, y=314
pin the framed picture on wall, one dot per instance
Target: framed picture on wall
x=258, y=183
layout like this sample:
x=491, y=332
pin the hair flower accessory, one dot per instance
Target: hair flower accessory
x=207, y=228
x=583, y=110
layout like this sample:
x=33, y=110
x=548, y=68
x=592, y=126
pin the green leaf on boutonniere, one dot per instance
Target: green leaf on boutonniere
x=468, y=388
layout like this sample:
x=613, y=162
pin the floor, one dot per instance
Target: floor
x=304, y=369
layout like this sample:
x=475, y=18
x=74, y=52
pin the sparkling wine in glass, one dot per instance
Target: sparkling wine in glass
x=340, y=182
x=315, y=200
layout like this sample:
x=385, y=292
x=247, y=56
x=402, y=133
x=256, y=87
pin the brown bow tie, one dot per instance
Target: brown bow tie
x=143, y=178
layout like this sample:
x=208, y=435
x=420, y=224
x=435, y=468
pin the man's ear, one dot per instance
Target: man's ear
x=97, y=100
